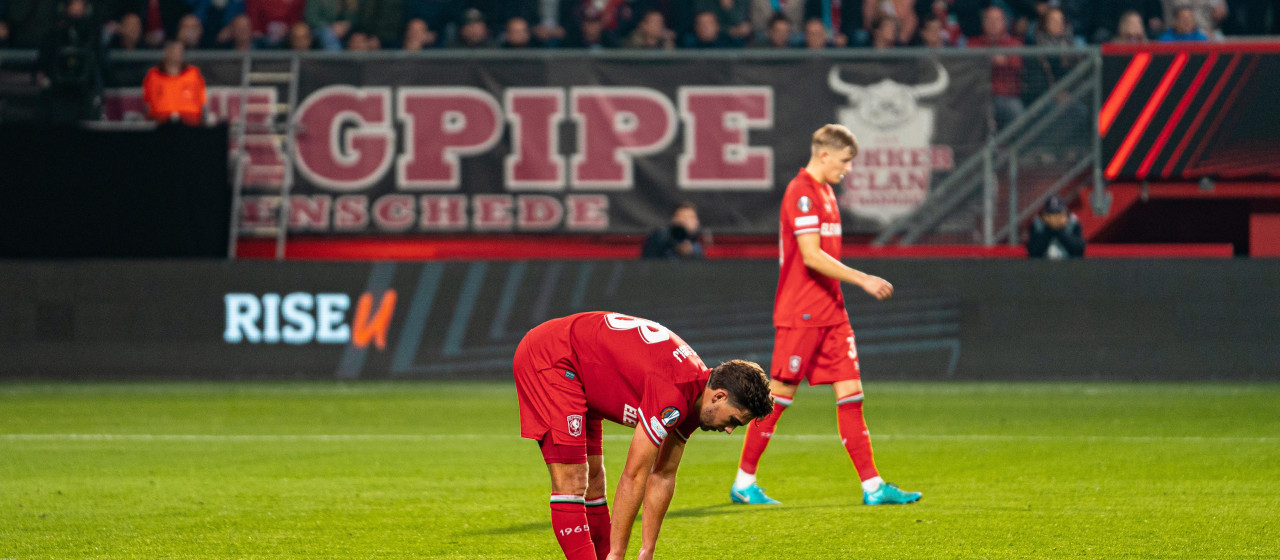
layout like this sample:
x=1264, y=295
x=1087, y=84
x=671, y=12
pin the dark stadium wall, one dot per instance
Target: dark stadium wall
x=1106, y=320
x=73, y=192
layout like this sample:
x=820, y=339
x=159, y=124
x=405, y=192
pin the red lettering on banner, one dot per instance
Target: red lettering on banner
x=443, y=212
x=440, y=124
x=309, y=213
x=259, y=212
x=335, y=155
x=587, y=212
x=538, y=213
x=393, y=212
x=491, y=212
x=615, y=124
x=716, y=151
x=351, y=213
x=535, y=115
x=941, y=158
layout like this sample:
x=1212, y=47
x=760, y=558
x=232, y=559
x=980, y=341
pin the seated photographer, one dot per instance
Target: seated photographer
x=679, y=240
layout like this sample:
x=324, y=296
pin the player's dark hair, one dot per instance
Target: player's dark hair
x=747, y=385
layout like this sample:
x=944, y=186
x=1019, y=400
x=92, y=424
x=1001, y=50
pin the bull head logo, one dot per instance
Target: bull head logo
x=887, y=104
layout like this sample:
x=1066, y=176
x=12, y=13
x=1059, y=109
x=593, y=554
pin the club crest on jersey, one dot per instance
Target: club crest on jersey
x=670, y=416
x=804, y=204
x=794, y=364
x=575, y=424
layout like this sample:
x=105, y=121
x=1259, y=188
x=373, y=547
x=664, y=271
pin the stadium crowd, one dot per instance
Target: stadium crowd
x=363, y=25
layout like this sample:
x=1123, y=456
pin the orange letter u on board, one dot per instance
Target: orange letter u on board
x=373, y=325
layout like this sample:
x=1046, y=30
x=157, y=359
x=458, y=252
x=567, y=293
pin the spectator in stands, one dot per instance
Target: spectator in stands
x=216, y=15
x=1055, y=233
x=949, y=26
x=174, y=91
x=418, y=36
x=652, y=33
x=902, y=10
x=1107, y=15
x=815, y=35
x=1131, y=29
x=360, y=40
x=780, y=34
x=474, y=31
x=300, y=37
x=590, y=33
x=1206, y=14
x=159, y=18
x=4, y=24
x=884, y=32
x=128, y=33
x=1006, y=70
x=764, y=11
x=69, y=68
x=680, y=239
x=272, y=19
x=733, y=17
x=434, y=13
x=190, y=31
x=1184, y=27
x=330, y=21
x=238, y=35
x=707, y=33
x=932, y=33
x=383, y=19
x=517, y=35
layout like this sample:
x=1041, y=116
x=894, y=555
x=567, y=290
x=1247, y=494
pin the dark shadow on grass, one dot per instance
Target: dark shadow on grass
x=703, y=511
x=731, y=509
x=540, y=525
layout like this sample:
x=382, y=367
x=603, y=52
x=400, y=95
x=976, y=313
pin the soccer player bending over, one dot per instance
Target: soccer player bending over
x=813, y=339
x=573, y=372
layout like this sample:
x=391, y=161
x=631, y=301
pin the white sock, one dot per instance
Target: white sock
x=872, y=484
x=743, y=480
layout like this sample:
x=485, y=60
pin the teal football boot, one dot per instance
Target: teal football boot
x=753, y=495
x=888, y=493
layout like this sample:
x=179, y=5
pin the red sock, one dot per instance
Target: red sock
x=758, y=435
x=598, y=519
x=854, y=435
x=569, y=520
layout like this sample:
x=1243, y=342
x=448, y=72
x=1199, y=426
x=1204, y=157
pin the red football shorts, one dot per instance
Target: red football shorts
x=553, y=411
x=821, y=355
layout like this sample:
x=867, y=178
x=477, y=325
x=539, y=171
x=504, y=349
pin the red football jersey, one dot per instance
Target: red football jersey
x=806, y=298
x=634, y=371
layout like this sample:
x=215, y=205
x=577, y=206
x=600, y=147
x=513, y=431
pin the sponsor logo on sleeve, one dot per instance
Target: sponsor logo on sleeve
x=575, y=424
x=670, y=416
x=657, y=428
x=804, y=204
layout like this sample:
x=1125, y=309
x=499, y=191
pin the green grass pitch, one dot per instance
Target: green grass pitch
x=435, y=470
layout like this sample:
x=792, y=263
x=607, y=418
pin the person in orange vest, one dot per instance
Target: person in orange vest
x=173, y=90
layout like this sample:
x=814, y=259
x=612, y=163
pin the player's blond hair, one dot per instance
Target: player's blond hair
x=833, y=137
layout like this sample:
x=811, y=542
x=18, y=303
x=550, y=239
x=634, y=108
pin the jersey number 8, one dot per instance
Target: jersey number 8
x=651, y=332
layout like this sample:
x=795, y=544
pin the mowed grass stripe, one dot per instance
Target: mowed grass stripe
x=435, y=470
x=251, y=438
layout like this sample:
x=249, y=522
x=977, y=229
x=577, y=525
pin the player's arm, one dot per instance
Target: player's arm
x=658, y=492
x=819, y=261
x=631, y=490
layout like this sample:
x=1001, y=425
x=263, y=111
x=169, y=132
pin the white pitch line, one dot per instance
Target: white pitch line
x=614, y=437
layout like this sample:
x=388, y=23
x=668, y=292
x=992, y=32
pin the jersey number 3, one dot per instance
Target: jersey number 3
x=651, y=332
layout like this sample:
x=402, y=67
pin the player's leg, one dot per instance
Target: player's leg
x=597, y=507
x=553, y=411
x=568, y=505
x=792, y=352
x=839, y=366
